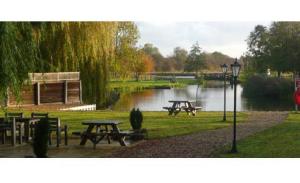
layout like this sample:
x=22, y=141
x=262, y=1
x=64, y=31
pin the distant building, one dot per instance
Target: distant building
x=47, y=88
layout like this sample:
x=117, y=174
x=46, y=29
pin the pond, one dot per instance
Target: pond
x=210, y=97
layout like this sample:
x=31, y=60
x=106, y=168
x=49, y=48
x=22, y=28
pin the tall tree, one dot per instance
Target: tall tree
x=180, y=56
x=195, y=60
x=127, y=36
x=143, y=63
x=153, y=51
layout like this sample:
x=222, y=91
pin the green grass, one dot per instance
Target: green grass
x=281, y=141
x=151, y=83
x=142, y=84
x=158, y=124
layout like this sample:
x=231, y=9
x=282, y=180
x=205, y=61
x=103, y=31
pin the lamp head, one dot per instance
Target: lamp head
x=235, y=68
x=224, y=68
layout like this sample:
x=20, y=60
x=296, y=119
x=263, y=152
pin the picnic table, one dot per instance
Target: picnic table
x=98, y=130
x=21, y=123
x=179, y=105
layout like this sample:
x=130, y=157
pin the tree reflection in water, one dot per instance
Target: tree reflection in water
x=209, y=96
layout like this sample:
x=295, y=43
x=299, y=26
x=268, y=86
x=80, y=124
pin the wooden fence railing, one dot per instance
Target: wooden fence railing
x=54, y=76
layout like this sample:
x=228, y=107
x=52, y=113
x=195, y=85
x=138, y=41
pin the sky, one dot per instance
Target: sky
x=226, y=37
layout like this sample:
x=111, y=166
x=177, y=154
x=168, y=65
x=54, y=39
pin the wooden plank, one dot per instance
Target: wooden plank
x=66, y=92
x=38, y=94
x=27, y=96
x=52, y=92
x=80, y=92
x=73, y=92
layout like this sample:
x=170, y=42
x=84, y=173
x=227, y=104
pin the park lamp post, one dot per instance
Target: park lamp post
x=224, y=69
x=235, y=68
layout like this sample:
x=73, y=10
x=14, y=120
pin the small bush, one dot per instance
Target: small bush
x=40, y=138
x=136, y=119
x=267, y=87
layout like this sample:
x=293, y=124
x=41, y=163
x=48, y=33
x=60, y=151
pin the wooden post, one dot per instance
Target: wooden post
x=13, y=132
x=80, y=91
x=58, y=133
x=38, y=94
x=20, y=133
x=66, y=92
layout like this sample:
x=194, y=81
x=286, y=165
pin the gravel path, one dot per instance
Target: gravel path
x=201, y=144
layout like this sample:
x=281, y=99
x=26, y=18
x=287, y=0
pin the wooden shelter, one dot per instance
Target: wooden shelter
x=47, y=88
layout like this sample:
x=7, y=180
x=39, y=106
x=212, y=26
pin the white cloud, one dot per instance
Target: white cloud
x=226, y=37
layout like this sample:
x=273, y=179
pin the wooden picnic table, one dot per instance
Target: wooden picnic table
x=179, y=105
x=22, y=123
x=102, y=129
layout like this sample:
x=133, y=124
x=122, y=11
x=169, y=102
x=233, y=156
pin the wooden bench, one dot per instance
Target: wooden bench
x=112, y=134
x=96, y=137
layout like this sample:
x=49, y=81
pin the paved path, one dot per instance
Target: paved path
x=201, y=144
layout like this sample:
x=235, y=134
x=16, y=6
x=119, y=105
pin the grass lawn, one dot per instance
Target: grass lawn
x=158, y=124
x=151, y=83
x=280, y=141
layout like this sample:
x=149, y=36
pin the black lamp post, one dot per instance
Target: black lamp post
x=235, y=68
x=224, y=69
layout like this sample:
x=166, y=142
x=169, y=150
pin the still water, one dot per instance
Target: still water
x=210, y=97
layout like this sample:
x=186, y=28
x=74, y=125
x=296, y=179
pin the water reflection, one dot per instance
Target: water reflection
x=210, y=97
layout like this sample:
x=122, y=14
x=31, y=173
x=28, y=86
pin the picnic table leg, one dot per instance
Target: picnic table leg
x=3, y=135
x=84, y=137
x=58, y=137
x=30, y=132
x=13, y=132
x=20, y=133
x=176, y=112
x=170, y=112
x=120, y=139
x=107, y=136
x=66, y=135
x=49, y=138
x=26, y=131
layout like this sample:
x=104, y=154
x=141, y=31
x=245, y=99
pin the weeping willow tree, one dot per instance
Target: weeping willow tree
x=18, y=56
x=100, y=46
x=88, y=47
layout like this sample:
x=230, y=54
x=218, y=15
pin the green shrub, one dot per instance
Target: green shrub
x=267, y=87
x=136, y=119
x=40, y=138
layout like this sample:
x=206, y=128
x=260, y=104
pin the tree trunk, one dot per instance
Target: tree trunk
x=136, y=77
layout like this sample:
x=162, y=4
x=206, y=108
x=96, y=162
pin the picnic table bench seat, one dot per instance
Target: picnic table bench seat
x=194, y=107
x=111, y=133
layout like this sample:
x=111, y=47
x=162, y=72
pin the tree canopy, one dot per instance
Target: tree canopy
x=276, y=47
